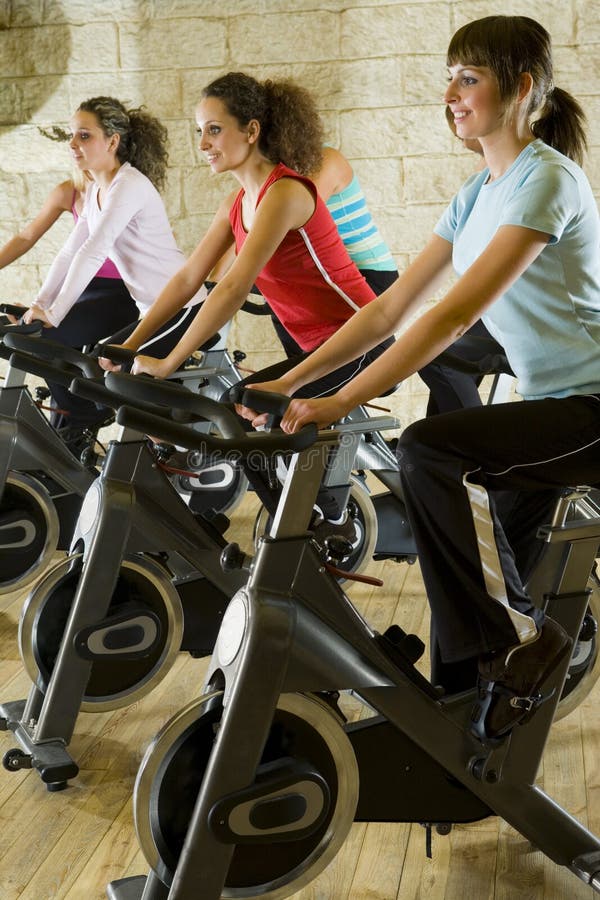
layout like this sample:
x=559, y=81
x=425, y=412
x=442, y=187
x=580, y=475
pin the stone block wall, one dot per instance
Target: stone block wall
x=375, y=66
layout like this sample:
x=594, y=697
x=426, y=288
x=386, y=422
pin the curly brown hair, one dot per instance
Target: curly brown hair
x=143, y=139
x=291, y=130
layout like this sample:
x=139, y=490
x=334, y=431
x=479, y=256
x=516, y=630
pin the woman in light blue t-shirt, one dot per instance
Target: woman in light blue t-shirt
x=523, y=235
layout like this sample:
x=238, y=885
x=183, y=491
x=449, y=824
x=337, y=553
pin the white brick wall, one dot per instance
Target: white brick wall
x=376, y=67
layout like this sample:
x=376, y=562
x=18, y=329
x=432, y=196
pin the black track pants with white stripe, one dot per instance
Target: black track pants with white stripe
x=478, y=483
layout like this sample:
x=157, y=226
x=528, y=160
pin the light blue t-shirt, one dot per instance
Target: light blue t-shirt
x=548, y=321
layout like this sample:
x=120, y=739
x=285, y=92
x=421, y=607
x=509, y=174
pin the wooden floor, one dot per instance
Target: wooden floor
x=69, y=845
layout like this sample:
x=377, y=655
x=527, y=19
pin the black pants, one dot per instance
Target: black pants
x=450, y=389
x=83, y=413
x=166, y=338
x=464, y=471
x=104, y=306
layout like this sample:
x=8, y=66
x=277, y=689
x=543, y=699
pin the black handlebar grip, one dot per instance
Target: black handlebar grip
x=13, y=309
x=167, y=393
x=114, y=353
x=55, y=352
x=62, y=374
x=266, y=443
x=256, y=309
x=34, y=328
x=265, y=401
x=98, y=392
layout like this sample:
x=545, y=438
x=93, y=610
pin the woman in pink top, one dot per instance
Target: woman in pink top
x=103, y=306
x=124, y=218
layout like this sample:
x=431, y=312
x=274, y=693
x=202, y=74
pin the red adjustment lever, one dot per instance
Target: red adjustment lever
x=353, y=576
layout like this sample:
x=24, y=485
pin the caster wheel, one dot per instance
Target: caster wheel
x=171, y=773
x=29, y=531
x=362, y=512
x=115, y=682
x=16, y=759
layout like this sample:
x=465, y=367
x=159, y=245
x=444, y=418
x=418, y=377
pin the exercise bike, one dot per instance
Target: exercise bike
x=251, y=790
x=142, y=582
x=41, y=482
x=381, y=522
x=207, y=485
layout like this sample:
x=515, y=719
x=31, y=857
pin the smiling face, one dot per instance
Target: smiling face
x=473, y=98
x=226, y=143
x=91, y=149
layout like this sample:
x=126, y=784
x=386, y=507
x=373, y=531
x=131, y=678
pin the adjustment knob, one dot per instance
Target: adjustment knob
x=232, y=557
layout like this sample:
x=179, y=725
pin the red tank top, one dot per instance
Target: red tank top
x=310, y=282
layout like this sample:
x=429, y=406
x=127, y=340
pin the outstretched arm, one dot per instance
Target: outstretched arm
x=286, y=205
x=188, y=280
x=57, y=202
x=379, y=319
x=507, y=256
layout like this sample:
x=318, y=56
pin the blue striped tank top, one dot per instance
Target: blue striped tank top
x=357, y=230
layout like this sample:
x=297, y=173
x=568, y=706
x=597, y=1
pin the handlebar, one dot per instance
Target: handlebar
x=114, y=353
x=222, y=415
x=34, y=328
x=256, y=309
x=172, y=395
x=261, y=401
x=269, y=402
x=98, y=392
x=265, y=442
x=55, y=352
x=62, y=374
x=12, y=309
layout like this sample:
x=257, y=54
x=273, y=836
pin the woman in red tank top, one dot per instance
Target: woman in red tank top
x=268, y=135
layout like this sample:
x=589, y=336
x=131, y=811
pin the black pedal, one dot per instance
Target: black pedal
x=411, y=646
x=218, y=520
x=233, y=557
x=162, y=452
x=238, y=356
x=89, y=458
x=41, y=394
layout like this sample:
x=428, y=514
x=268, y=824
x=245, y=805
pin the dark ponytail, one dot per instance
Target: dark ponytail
x=561, y=124
x=291, y=130
x=510, y=46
